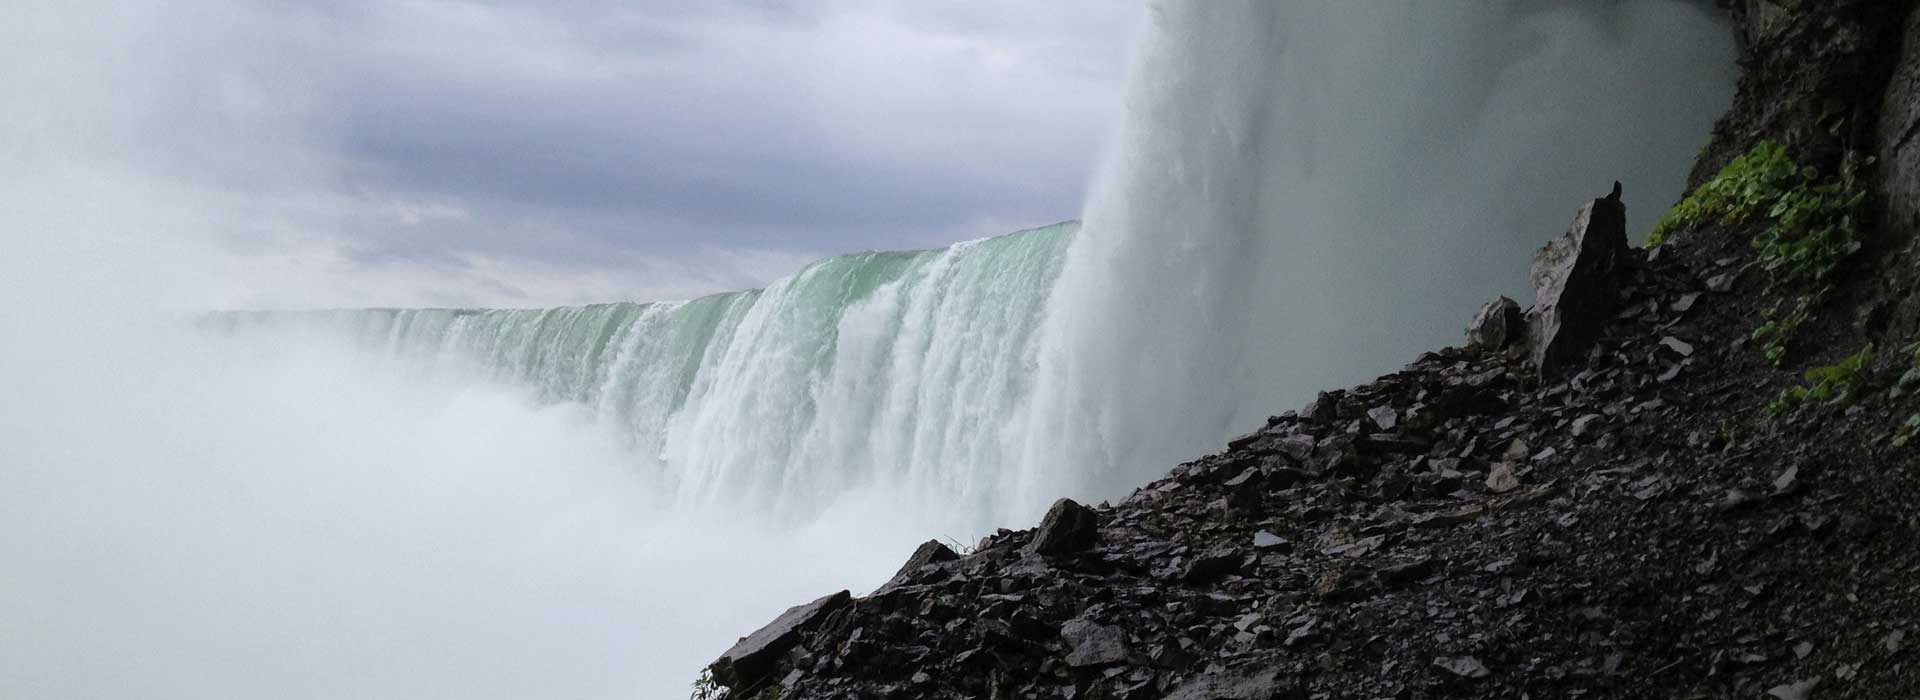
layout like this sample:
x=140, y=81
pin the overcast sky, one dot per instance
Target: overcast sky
x=543, y=152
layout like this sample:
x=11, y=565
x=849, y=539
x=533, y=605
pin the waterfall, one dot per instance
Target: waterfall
x=582, y=501
x=1307, y=194
x=1303, y=195
x=903, y=372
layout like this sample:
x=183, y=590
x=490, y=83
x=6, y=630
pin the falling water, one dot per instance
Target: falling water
x=1302, y=195
x=1307, y=194
x=574, y=502
x=902, y=372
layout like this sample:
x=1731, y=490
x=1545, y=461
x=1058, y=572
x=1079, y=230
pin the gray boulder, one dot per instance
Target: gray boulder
x=1094, y=644
x=1068, y=527
x=754, y=656
x=1497, y=325
x=929, y=552
x=1576, y=283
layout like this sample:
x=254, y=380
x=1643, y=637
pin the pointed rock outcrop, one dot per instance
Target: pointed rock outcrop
x=928, y=553
x=1068, y=527
x=1575, y=284
x=754, y=656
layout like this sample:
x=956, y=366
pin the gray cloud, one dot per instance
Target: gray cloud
x=587, y=133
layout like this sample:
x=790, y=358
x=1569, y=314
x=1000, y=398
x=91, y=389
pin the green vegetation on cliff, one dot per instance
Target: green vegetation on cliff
x=1814, y=225
x=1745, y=187
x=1908, y=382
x=1826, y=385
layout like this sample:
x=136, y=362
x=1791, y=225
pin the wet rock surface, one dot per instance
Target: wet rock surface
x=1626, y=525
x=754, y=658
x=1461, y=528
x=1068, y=527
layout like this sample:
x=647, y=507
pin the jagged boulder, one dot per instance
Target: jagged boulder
x=1320, y=410
x=1068, y=527
x=929, y=552
x=1093, y=644
x=1497, y=325
x=756, y=655
x=1575, y=284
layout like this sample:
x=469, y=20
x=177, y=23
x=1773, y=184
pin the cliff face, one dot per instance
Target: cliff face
x=1675, y=508
x=1813, y=73
x=1826, y=78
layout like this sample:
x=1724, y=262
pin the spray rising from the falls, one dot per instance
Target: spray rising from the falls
x=1302, y=195
x=897, y=372
x=1307, y=194
x=569, y=502
x=1148, y=319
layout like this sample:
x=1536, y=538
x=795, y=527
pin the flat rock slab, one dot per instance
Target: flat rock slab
x=1094, y=644
x=1244, y=683
x=1462, y=666
x=754, y=656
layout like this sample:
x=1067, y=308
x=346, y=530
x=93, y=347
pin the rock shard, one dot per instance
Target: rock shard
x=927, y=554
x=1094, y=644
x=1245, y=683
x=1067, y=528
x=755, y=655
x=1497, y=325
x=1462, y=666
x=1575, y=285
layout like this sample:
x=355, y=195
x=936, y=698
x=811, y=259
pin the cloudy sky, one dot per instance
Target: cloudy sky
x=441, y=152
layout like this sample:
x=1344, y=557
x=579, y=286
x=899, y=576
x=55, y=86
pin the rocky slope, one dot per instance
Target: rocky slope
x=1615, y=494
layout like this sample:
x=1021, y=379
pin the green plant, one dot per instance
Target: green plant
x=1814, y=229
x=1777, y=328
x=1744, y=187
x=1906, y=431
x=1901, y=387
x=1911, y=378
x=1815, y=226
x=1829, y=385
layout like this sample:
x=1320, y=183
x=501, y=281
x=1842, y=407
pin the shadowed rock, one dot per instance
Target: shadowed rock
x=1068, y=527
x=754, y=656
x=1497, y=325
x=929, y=552
x=1575, y=284
x=1212, y=565
x=1093, y=644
